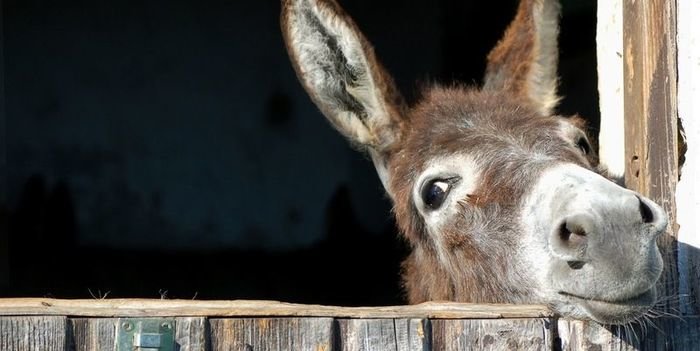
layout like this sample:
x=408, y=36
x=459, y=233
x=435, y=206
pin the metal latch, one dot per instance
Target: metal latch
x=145, y=334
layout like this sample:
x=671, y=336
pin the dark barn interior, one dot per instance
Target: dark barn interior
x=166, y=149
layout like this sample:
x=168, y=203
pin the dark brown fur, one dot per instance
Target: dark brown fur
x=512, y=59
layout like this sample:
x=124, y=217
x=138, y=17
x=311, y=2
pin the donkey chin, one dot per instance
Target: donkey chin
x=598, y=243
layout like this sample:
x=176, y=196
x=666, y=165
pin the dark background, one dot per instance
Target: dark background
x=165, y=147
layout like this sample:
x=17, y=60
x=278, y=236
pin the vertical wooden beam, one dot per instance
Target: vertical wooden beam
x=651, y=116
x=383, y=334
x=92, y=333
x=191, y=334
x=611, y=139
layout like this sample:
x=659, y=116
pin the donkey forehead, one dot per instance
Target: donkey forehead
x=482, y=124
x=508, y=142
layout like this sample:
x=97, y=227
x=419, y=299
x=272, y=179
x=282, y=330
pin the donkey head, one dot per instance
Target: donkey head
x=500, y=199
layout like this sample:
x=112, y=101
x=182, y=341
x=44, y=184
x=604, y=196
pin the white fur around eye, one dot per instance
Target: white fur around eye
x=462, y=166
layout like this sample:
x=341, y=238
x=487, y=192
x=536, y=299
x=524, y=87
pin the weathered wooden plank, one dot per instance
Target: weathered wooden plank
x=252, y=308
x=33, y=333
x=651, y=116
x=261, y=334
x=383, y=334
x=575, y=335
x=681, y=334
x=491, y=334
x=413, y=334
x=659, y=334
x=191, y=333
x=88, y=334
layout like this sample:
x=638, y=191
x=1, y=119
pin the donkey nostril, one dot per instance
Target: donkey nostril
x=645, y=211
x=564, y=233
x=569, y=241
x=575, y=265
x=571, y=232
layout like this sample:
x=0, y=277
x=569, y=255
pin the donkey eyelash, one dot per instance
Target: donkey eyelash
x=468, y=200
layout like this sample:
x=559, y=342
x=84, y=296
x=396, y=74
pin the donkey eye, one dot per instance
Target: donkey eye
x=583, y=145
x=435, y=191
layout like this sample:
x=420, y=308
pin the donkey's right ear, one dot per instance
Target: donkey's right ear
x=338, y=69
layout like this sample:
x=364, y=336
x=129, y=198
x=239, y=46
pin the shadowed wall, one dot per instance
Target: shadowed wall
x=174, y=134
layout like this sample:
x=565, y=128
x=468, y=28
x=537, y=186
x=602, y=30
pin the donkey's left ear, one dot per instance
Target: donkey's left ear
x=339, y=70
x=524, y=62
x=337, y=67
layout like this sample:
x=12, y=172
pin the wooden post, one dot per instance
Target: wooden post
x=611, y=140
x=651, y=116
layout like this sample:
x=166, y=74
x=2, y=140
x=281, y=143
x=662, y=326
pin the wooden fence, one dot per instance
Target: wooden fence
x=50, y=324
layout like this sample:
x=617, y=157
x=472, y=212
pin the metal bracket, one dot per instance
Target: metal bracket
x=145, y=334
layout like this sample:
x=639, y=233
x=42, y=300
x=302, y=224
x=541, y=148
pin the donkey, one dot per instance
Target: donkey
x=500, y=199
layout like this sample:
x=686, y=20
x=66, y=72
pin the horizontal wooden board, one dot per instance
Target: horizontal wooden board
x=254, y=308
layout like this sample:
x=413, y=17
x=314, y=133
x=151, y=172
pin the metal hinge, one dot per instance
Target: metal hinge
x=145, y=334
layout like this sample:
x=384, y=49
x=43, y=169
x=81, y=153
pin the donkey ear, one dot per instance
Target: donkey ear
x=338, y=69
x=524, y=62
